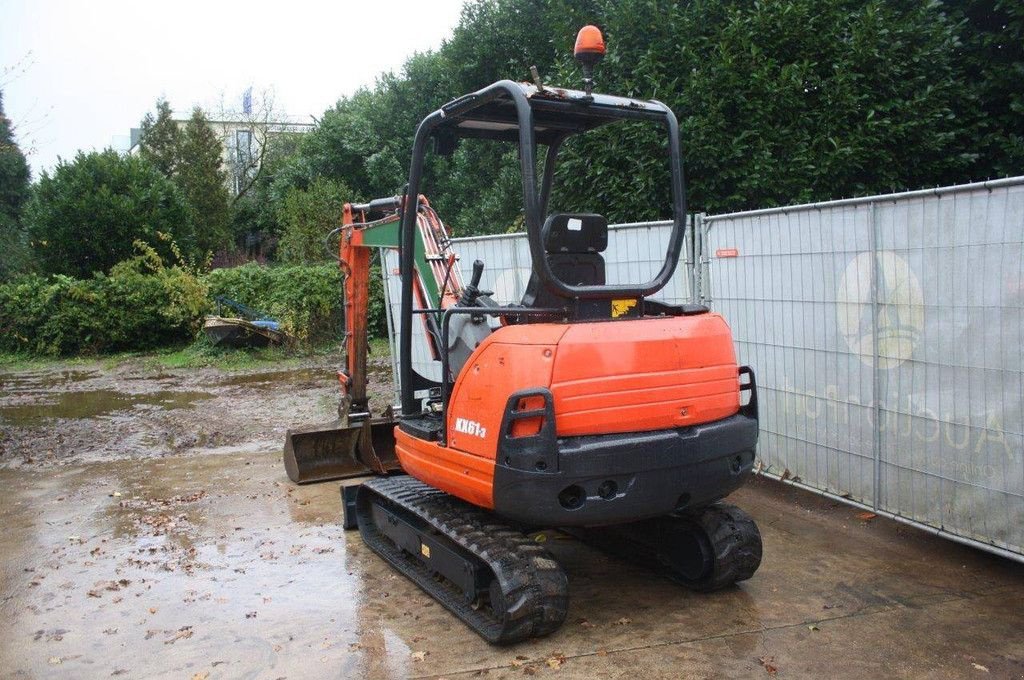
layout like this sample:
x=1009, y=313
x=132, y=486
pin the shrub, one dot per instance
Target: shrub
x=140, y=304
x=85, y=217
x=144, y=304
x=307, y=300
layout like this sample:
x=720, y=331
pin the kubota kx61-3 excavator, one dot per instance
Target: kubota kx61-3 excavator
x=589, y=407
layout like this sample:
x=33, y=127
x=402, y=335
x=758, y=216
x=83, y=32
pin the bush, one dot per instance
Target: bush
x=305, y=299
x=144, y=304
x=141, y=304
x=86, y=217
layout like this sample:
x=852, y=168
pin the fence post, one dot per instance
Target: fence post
x=876, y=378
x=702, y=267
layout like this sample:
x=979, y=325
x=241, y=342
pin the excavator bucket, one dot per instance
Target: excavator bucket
x=317, y=453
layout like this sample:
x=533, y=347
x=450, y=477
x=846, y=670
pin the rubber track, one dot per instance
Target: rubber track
x=727, y=532
x=534, y=585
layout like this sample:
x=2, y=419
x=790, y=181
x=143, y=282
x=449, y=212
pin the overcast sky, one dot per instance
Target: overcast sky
x=81, y=74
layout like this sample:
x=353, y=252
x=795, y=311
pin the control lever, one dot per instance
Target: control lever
x=471, y=292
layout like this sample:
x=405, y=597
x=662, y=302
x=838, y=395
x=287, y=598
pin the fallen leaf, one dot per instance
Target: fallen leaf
x=769, y=665
x=201, y=675
x=419, y=656
x=56, y=661
x=152, y=610
x=556, y=661
x=866, y=516
x=979, y=667
x=183, y=633
x=623, y=621
x=812, y=627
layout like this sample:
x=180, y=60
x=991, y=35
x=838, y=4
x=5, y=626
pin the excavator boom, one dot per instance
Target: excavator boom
x=358, y=443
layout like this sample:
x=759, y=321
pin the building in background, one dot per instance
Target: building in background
x=244, y=141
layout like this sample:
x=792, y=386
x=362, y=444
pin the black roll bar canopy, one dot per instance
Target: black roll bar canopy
x=527, y=115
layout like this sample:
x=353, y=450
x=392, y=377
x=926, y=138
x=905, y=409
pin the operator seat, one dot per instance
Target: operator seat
x=573, y=243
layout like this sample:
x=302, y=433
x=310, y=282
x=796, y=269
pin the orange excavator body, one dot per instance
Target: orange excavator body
x=630, y=376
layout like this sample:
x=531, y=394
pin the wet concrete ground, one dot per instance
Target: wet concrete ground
x=208, y=563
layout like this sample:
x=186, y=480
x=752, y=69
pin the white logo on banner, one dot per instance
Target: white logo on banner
x=900, y=308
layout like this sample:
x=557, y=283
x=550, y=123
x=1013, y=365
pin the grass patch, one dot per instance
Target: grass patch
x=379, y=347
x=201, y=354
x=17, y=361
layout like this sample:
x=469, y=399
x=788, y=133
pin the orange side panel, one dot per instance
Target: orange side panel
x=512, y=358
x=464, y=475
x=644, y=374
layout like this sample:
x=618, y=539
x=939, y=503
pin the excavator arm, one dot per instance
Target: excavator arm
x=359, y=443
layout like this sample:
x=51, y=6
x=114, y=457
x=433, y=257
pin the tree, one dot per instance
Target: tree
x=203, y=183
x=991, y=58
x=308, y=215
x=780, y=102
x=266, y=126
x=14, y=193
x=161, y=139
x=255, y=218
x=85, y=217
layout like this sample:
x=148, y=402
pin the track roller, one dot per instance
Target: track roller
x=503, y=585
x=705, y=550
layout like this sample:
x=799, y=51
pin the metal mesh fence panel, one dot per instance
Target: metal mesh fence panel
x=635, y=254
x=886, y=334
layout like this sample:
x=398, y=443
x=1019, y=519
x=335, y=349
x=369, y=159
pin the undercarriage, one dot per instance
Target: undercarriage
x=508, y=587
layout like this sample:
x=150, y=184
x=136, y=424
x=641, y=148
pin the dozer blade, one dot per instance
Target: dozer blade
x=317, y=453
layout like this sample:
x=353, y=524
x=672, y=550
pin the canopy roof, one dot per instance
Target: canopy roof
x=491, y=113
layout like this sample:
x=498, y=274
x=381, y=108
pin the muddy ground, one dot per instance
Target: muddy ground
x=149, y=531
x=89, y=412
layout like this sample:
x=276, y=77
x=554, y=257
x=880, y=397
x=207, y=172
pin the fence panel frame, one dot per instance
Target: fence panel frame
x=875, y=206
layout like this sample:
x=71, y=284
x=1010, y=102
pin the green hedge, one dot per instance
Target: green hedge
x=142, y=305
x=305, y=299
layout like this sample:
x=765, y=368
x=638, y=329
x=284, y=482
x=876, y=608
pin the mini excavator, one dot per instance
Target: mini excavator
x=588, y=406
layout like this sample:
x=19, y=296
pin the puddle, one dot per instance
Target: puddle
x=298, y=375
x=23, y=382
x=93, y=403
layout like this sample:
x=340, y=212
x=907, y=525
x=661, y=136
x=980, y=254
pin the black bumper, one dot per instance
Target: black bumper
x=608, y=479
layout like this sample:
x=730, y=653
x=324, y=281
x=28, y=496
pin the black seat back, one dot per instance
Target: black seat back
x=573, y=243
